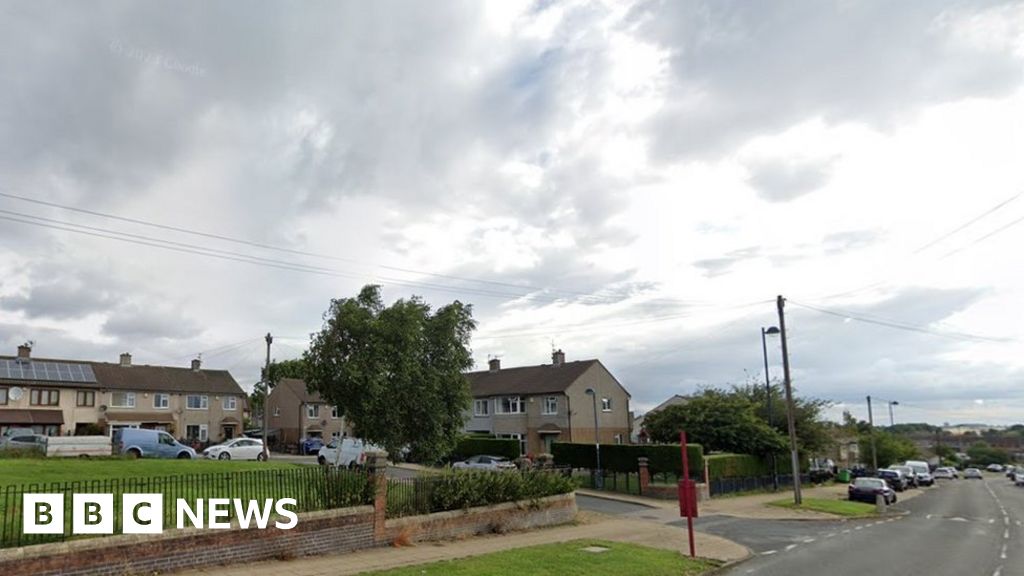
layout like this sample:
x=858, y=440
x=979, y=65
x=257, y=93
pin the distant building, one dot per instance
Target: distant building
x=639, y=435
x=540, y=405
x=295, y=413
x=64, y=397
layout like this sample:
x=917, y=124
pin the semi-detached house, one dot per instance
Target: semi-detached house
x=539, y=405
x=63, y=397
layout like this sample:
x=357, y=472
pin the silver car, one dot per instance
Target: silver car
x=24, y=442
x=484, y=462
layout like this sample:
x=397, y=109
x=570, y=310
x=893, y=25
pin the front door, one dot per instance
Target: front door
x=229, y=432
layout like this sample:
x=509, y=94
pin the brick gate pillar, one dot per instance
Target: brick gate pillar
x=645, y=474
x=377, y=466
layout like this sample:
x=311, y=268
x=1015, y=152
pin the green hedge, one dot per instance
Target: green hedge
x=623, y=457
x=736, y=466
x=460, y=489
x=475, y=445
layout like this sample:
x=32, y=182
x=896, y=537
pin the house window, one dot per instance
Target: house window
x=85, y=398
x=44, y=397
x=3, y=396
x=335, y=413
x=606, y=404
x=520, y=437
x=197, y=402
x=618, y=438
x=481, y=407
x=197, y=432
x=277, y=410
x=230, y=403
x=551, y=405
x=511, y=405
x=312, y=411
x=122, y=400
x=161, y=400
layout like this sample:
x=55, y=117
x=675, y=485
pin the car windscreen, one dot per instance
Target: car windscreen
x=867, y=483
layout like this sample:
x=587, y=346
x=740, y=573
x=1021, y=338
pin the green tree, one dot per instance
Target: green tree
x=812, y=432
x=982, y=454
x=891, y=449
x=396, y=372
x=720, y=421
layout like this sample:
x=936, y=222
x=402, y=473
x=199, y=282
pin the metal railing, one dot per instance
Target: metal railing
x=312, y=487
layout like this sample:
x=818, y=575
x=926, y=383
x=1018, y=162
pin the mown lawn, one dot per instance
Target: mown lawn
x=837, y=507
x=46, y=470
x=566, y=559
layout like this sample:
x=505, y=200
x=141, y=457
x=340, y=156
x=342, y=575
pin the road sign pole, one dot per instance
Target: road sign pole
x=688, y=492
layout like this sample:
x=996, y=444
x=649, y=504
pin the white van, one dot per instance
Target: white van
x=346, y=452
x=922, y=471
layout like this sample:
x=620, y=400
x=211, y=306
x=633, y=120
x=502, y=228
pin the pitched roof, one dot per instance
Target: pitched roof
x=298, y=388
x=147, y=378
x=527, y=379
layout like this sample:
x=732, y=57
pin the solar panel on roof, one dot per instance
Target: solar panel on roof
x=46, y=371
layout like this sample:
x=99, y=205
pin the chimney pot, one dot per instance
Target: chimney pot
x=126, y=359
x=494, y=364
x=25, y=351
x=196, y=363
x=558, y=357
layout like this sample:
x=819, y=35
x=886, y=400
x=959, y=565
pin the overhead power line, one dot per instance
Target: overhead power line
x=991, y=210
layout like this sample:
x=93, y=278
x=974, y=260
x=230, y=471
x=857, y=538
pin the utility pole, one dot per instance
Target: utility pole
x=892, y=421
x=790, y=418
x=266, y=393
x=871, y=430
x=768, y=393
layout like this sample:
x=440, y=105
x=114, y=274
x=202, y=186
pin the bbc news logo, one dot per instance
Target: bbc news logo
x=144, y=513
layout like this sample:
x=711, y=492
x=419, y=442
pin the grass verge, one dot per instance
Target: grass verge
x=46, y=470
x=567, y=559
x=837, y=507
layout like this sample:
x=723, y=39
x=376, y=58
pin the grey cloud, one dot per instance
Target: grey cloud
x=782, y=181
x=850, y=240
x=718, y=266
x=740, y=69
x=134, y=323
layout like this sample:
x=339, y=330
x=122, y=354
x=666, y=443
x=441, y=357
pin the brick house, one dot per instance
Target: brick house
x=296, y=413
x=539, y=405
x=64, y=397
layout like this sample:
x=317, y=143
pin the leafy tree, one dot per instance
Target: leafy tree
x=720, y=421
x=982, y=454
x=395, y=372
x=812, y=432
x=891, y=449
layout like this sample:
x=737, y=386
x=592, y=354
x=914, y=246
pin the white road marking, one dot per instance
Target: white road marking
x=959, y=519
x=859, y=528
x=768, y=552
x=1006, y=534
x=790, y=547
x=847, y=531
x=830, y=534
x=928, y=517
x=1002, y=554
x=809, y=540
x=998, y=571
x=991, y=520
x=1006, y=520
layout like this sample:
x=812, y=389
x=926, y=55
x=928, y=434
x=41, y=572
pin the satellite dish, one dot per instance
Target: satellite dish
x=15, y=393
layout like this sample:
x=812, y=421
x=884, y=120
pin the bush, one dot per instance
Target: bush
x=661, y=458
x=457, y=489
x=472, y=446
x=736, y=466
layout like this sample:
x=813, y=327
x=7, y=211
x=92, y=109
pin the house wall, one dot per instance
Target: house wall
x=526, y=424
x=611, y=423
x=283, y=409
x=72, y=414
x=177, y=409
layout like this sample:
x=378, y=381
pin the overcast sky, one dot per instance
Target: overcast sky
x=633, y=182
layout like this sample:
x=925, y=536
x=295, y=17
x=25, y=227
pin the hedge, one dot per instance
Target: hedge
x=460, y=489
x=661, y=458
x=475, y=445
x=736, y=466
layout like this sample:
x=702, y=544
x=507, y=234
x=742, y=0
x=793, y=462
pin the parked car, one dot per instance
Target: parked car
x=311, y=445
x=972, y=473
x=483, y=462
x=347, y=452
x=922, y=473
x=994, y=468
x=894, y=478
x=1011, y=471
x=944, y=474
x=237, y=449
x=1018, y=478
x=143, y=443
x=908, y=475
x=17, y=432
x=28, y=441
x=868, y=489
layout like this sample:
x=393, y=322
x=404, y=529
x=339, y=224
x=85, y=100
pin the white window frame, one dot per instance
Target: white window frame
x=550, y=406
x=312, y=411
x=229, y=403
x=204, y=402
x=204, y=432
x=129, y=400
x=277, y=411
x=166, y=401
x=335, y=413
x=606, y=404
x=515, y=436
x=513, y=401
x=486, y=404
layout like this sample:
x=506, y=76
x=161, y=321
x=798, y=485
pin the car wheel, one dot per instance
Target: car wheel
x=321, y=461
x=224, y=456
x=184, y=456
x=134, y=453
x=261, y=457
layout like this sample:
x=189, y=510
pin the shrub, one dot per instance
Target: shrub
x=458, y=489
x=661, y=458
x=473, y=445
x=736, y=466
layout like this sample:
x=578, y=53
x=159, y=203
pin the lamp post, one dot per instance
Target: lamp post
x=892, y=421
x=598, y=480
x=772, y=331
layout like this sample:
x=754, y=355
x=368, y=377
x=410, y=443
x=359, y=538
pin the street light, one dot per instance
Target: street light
x=770, y=331
x=892, y=403
x=598, y=480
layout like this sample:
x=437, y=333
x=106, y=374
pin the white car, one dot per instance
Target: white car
x=944, y=473
x=994, y=468
x=352, y=453
x=237, y=449
x=483, y=462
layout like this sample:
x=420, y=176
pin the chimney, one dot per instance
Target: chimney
x=25, y=352
x=557, y=358
x=126, y=359
x=494, y=364
x=196, y=363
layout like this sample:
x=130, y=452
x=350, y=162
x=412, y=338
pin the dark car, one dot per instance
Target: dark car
x=908, y=475
x=868, y=489
x=894, y=478
x=311, y=445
